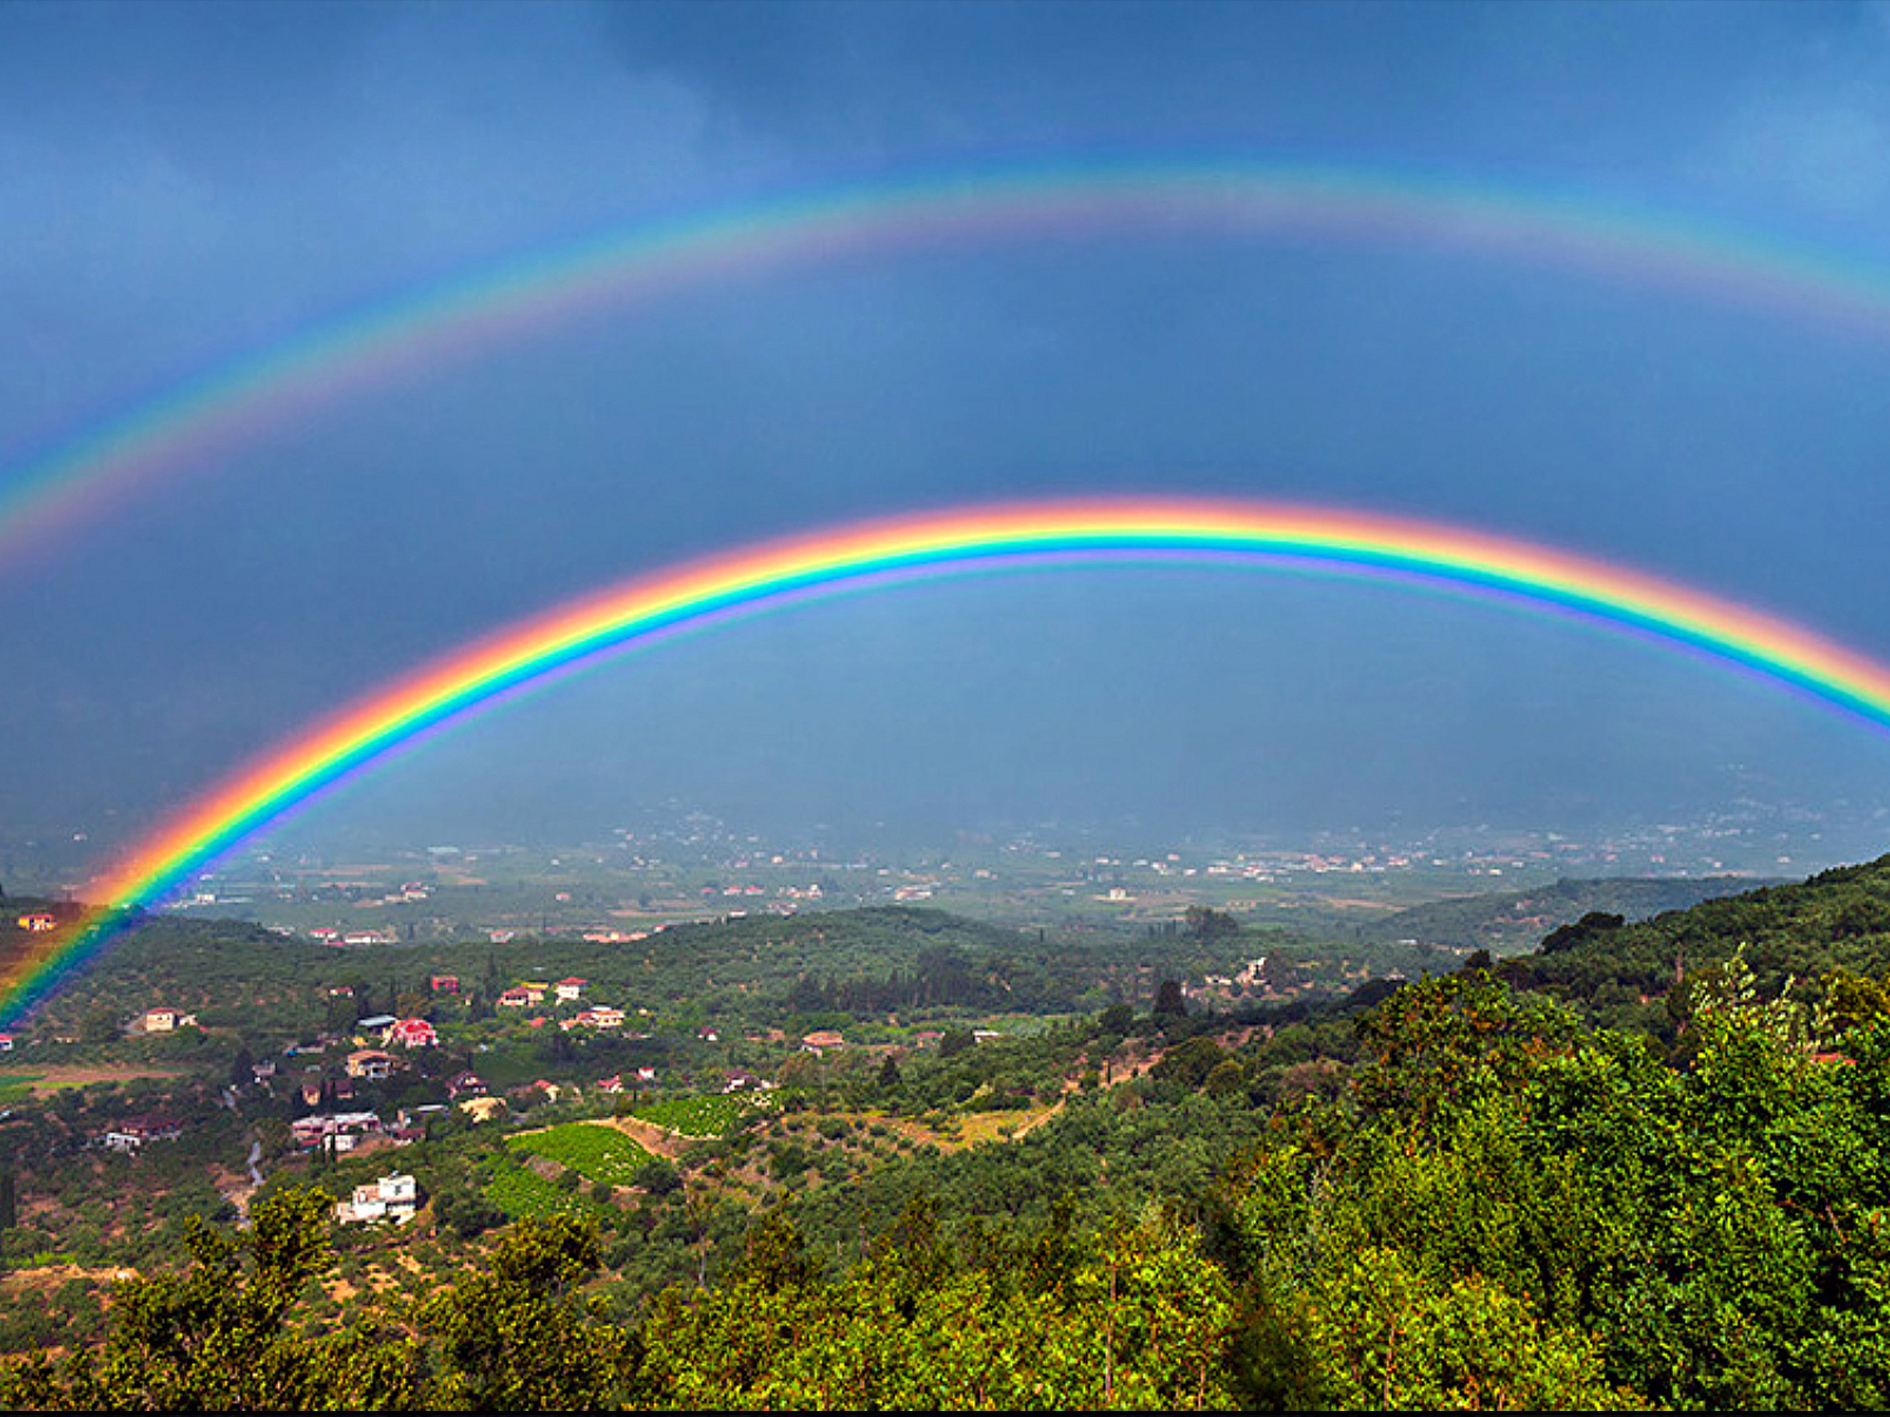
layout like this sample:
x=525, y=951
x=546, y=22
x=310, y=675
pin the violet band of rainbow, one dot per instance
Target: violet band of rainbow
x=698, y=594
x=185, y=428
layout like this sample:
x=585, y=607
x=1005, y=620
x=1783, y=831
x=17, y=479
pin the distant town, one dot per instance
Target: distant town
x=679, y=864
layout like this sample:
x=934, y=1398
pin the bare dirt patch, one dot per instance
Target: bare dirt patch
x=650, y=1137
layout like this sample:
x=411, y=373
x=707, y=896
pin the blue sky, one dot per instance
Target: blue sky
x=184, y=183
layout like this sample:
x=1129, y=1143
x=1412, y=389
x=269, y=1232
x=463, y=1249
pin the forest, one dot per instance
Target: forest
x=1644, y=1166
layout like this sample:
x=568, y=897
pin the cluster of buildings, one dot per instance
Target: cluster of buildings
x=133, y=1133
x=524, y=995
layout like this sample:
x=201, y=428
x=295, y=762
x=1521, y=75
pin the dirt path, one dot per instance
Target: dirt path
x=50, y=1077
x=647, y=1135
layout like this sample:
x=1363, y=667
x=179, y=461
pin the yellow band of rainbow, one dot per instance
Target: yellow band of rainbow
x=857, y=556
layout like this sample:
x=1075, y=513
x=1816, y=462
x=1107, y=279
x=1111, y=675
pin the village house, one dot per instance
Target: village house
x=570, y=990
x=6, y=1043
x=820, y=1041
x=131, y=1134
x=598, y=1016
x=371, y=1065
x=444, y=983
x=708, y=1034
x=341, y=1131
x=38, y=922
x=163, y=1020
x=412, y=1033
x=740, y=1080
x=393, y=1198
x=465, y=1084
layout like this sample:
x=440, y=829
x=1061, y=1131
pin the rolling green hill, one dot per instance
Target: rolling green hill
x=1511, y=922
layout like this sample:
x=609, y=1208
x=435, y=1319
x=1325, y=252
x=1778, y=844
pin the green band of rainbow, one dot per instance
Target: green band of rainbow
x=184, y=429
x=697, y=594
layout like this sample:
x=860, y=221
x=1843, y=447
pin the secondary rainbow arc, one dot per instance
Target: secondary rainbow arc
x=700, y=593
x=180, y=430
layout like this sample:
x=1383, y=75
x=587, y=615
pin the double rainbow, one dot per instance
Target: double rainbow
x=185, y=429
x=700, y=594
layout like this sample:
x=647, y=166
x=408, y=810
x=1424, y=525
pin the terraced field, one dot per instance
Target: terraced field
x=596, y=1151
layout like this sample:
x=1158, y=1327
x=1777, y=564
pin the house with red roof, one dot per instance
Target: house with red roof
x=412, y=1033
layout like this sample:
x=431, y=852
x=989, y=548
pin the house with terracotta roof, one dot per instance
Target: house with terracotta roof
x=570, y=990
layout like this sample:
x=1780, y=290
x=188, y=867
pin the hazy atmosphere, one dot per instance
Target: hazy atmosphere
x=190, y=189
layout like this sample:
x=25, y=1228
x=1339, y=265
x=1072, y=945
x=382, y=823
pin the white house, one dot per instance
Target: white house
x=393, y=1198
x=132, y=1133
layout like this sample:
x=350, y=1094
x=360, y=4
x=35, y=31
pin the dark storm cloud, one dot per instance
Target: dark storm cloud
x=182, y=182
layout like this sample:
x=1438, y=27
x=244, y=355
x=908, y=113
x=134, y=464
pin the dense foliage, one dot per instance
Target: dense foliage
x=1645, y=1167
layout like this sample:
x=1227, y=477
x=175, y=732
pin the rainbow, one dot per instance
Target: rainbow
x=187, y=427
x=703, y=593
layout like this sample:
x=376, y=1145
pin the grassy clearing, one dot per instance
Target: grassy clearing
x=53, y=1077
x=17, y=1087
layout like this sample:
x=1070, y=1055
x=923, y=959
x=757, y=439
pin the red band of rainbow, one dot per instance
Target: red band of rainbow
x=695, y=595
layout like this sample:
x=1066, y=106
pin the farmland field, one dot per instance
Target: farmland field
x=525, y=1195
x=597, y=1153
x=696, y=1116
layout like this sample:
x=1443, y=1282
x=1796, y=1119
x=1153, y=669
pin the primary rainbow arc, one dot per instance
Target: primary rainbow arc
x=698, y=594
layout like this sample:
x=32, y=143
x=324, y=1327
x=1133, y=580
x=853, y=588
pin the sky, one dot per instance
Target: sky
x=187, y=188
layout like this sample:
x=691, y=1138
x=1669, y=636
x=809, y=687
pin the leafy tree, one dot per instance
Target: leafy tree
x=209, y=1339
x=521, y=1338
x=1206, y=923
x=1169, y=1003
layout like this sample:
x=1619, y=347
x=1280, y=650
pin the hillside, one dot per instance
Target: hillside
x=1511, y=922
x=1836, y=920
x=1555, y=1181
